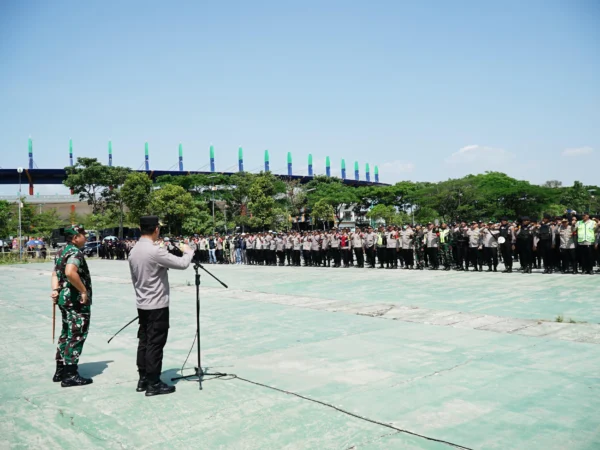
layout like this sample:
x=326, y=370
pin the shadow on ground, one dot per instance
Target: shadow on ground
x=92, y=369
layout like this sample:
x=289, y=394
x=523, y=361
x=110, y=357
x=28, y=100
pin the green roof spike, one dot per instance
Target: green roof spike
x=355, y=166
x=289, y=158
x=310, y=159
x=376, y=170
x=327, y=162
x=343, y=164
x=146, y=149
x=266, y=156
x=180, y=150
x=212, y=152
x=367, y=168
x=110, y=147
x=70, y=146
x=240, y=153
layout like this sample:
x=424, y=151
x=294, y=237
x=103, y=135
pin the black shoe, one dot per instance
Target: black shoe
x=489, y=269
x=60, y=368
x=142, y=384
x=72, y=378
x=159, y=388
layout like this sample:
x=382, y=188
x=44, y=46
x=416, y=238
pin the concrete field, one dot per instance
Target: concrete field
x=477, y=360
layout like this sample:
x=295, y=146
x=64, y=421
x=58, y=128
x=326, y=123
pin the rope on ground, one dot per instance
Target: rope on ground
x=233, y=376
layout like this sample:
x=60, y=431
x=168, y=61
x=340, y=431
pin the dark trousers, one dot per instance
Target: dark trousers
x=473, y=257
x=360, y=257
x=381, y=255
x=390, y=257
x=326, y=257
x=491, y=256
x=281, y=256
x=462, y=250
x=544, y=248
x=568, y=258
x=371, y=256
x=526, y=254
x=296, y=257
x=507, y=257
x=288, y=256
x=346, y=253
x=432, y=253
x=316, y=257
x=409, y=257
x=587, y=262
x=306, y=256
x=335, y=255
x=152, y=335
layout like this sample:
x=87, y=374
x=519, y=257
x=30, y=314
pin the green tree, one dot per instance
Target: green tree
x=322, y=212
x=43, y=223
x=173, y=204
x=576, y=197
x=88, y=178
x=136, y=193
x=265, y=212
x=332, y=191
x=6, y=213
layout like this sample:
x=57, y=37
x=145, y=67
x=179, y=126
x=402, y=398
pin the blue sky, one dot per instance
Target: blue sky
x=425, y=90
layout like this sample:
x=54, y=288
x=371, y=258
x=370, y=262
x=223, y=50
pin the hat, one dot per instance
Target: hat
x=547, y=216
x=504, y=218
x=564, y=219
x=149, y=221
x=74, y=230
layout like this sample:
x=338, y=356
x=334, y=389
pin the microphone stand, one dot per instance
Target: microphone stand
x=198, y=371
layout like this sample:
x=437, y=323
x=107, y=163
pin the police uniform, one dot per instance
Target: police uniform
x=149, y=264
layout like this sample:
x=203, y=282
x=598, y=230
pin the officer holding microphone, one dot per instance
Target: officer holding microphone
x=149, y=264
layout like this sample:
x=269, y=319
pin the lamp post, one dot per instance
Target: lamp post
x=212, y=188
x=20, y=171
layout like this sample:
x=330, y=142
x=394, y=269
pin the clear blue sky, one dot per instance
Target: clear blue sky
x=426, y=92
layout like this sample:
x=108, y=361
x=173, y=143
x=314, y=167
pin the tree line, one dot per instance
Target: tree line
x=245, y=201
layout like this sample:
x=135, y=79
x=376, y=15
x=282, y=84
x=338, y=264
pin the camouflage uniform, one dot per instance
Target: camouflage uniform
x=419, y=249
x=75, y=315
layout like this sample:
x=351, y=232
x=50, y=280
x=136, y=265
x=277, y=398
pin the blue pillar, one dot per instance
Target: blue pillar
x=180, y=158
x=212, y=158
x=30, y=147
x=147, y=157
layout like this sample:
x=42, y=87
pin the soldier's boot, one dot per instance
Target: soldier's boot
x=60, y=368
x=142, y=383
x=159, y=388
x=72, y=378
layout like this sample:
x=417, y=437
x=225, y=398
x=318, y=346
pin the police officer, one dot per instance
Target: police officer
x=545, y=237
x=148, y=264
x=72, y=291
x=507, y=233
x=525, y=244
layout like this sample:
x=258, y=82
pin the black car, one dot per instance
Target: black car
x=91, y=248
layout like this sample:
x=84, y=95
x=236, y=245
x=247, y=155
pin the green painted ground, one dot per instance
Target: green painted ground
x=513, y=385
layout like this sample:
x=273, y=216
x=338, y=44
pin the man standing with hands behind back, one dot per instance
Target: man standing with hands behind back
x=72, y=291
x=148, y=264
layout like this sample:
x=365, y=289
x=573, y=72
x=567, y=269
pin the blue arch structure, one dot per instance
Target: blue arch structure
x=57, y=176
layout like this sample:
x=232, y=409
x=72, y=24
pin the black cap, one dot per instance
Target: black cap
x=504, y=218
x=547, y=216
x=149, y=221
x=525, y=218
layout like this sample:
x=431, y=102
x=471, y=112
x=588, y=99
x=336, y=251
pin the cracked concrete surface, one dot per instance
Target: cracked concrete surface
x=452, y=356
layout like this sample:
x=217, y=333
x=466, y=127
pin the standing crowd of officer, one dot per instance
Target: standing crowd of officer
x=556, y=244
